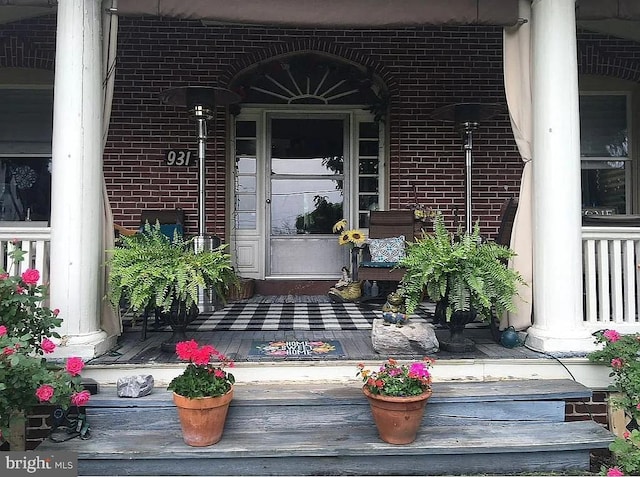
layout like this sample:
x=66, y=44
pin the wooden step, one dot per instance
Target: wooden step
x=500, y=427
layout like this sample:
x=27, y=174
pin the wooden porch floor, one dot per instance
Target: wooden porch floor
x=356, y=345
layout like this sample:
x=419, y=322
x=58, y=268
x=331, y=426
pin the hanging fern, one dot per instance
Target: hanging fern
x=151, y=271
x=461, y=270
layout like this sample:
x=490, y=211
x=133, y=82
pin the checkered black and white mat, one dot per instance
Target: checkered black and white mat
x=292, y=316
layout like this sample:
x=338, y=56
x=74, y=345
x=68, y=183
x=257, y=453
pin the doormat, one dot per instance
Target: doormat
x=295, y=350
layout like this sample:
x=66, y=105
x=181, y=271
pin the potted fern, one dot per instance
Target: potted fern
x=465, y=276
x=151, y=272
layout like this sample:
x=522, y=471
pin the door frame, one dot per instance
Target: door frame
x=248, y=248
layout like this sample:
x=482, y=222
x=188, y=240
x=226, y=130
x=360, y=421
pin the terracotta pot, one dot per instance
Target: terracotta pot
x=202, y=419
x=397, y=418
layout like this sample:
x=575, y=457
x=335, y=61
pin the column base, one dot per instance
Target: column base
x=576, y=340
x=86, y=346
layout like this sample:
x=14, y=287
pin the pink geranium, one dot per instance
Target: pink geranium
x=185, y=349
x=3, y=330
x=31, y=276
x=614, y=471
x=74, y=366
x=611, y=335
x=47, y=345
x=81, y=398
x=44, y=393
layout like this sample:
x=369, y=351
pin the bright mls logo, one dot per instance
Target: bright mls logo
x=58, y=464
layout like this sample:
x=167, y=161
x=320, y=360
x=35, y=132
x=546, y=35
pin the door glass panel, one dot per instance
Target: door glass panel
x=306, y=196
x=25, y=188
x=304, y=206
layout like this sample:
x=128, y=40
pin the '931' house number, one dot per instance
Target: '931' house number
x=178, y=157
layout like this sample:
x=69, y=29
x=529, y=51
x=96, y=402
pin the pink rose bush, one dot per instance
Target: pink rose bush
x=27, y=333
x=621, y=352
x=202, y=378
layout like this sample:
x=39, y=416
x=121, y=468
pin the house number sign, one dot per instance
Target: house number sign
x=178, y=157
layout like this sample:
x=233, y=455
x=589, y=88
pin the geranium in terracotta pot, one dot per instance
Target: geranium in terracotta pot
x=202, y=393
x=397, y=395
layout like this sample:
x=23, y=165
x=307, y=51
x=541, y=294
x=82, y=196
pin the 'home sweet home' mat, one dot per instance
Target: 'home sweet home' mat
x=283, y=349
x=292, y=316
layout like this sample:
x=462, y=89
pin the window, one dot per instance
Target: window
x=604, y=150
x=26, y=123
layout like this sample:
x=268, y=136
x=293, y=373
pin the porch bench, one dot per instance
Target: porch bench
x=389, y=230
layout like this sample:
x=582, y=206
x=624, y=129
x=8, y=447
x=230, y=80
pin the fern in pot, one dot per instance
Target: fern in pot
x=465, y=276
x=151, y=272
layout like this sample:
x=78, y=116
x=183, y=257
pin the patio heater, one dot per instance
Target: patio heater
x=467, y=118
x=201, y=102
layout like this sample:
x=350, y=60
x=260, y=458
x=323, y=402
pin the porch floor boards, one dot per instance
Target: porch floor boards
x=356, y=344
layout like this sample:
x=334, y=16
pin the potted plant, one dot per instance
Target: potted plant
x=202, y=393
x=27, y=334
x=152, y=272
x=464, y=275
x=397, y=395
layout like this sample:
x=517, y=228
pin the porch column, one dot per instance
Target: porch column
x=76, y=197
x=557, y=255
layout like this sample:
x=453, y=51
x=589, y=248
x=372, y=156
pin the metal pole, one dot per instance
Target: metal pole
x=468, y=157
x=202, y=143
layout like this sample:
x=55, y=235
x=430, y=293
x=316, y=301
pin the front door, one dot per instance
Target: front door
x=306, y=195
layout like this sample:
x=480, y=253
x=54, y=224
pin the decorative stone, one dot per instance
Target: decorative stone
x=414, y=337
x=135, y=386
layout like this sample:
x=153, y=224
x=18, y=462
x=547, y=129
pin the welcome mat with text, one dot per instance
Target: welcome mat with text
x=292, y=316
x=296, y=349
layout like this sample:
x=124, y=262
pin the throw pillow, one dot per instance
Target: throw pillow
x=386, y=250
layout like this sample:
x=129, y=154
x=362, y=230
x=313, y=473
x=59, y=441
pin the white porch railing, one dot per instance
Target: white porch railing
x=34, y=242
x=611, y=277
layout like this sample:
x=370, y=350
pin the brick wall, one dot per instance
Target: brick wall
x=594, y=409
x=424, y=68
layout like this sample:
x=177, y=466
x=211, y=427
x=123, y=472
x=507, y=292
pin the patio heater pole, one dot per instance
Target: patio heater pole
x=201, y=102
x=468, y=128
x=467, y=118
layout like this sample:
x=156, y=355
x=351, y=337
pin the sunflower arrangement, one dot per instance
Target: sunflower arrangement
x=352, y=237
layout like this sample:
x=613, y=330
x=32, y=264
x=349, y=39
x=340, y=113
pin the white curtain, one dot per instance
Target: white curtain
x=110, y=322
x=517, y=79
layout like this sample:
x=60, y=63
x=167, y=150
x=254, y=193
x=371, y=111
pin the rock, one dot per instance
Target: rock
x=135, y=386
x=414, y=337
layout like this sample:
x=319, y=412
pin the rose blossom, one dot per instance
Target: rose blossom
x=81, y=398
x=55, y=312
x=74, y=366
x=4, y=276
x=44, y=393
x=8, y=351
x=19, y=290
x=47, y=345
x=617, y=363
x=3, y=330
x=614, y=471
x=611, y=335
x=31, y=276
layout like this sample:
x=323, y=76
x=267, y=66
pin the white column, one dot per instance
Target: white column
x=76, y=197
x=557, y=255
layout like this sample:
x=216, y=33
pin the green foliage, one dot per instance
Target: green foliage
x=622, y=354
x=150, y=270
x=461, y=269
x=399, y=380
x=26, y=326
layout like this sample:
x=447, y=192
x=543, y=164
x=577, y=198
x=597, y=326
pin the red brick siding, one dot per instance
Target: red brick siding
x=593, y=409
x=424, y=68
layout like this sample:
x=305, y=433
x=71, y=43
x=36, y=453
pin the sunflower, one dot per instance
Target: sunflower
x=356, y=236
x=340, y=226
x=344, y=238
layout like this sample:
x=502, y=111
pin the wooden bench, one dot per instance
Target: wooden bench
x=384, y=224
